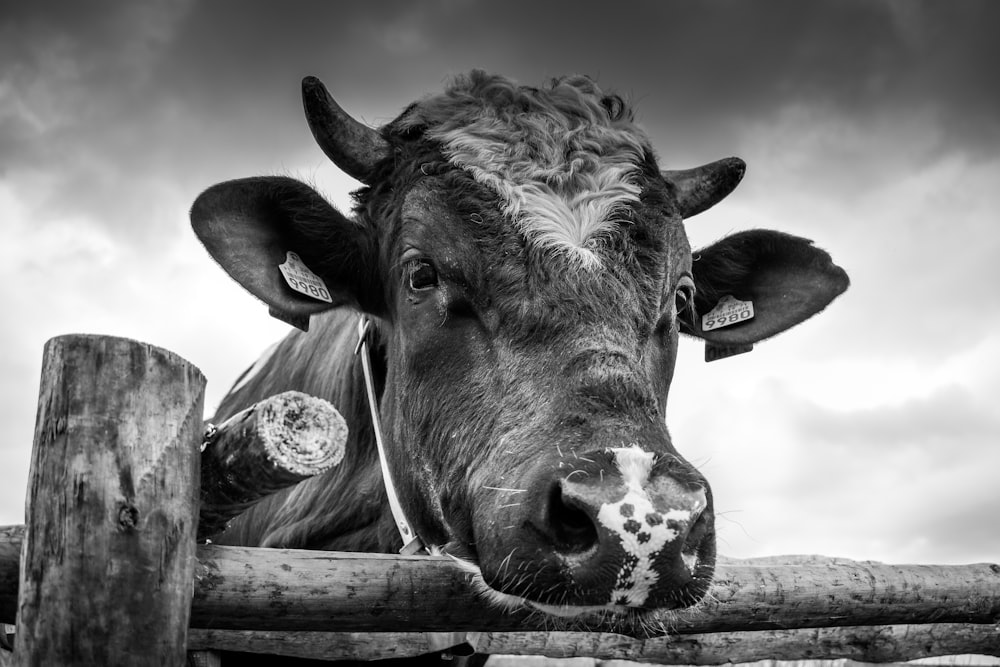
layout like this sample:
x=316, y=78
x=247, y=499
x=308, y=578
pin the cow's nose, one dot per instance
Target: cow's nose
x=639, y=536
x=571, y=519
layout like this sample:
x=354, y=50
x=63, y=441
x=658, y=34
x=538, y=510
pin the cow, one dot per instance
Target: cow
x=520, y=264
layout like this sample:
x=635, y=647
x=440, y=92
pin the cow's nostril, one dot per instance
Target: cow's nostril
x=572, y=528
x=700, y=527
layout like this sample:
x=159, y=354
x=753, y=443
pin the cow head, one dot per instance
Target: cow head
x=525, y=260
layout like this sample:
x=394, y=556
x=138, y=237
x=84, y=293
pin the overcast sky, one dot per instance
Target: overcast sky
x=871, y=432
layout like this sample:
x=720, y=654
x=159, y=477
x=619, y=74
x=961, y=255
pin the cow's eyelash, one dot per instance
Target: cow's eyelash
x=421, y=274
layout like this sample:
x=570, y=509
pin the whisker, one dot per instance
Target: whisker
x=505, y=563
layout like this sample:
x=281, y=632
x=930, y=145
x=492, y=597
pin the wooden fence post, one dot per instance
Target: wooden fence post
x=108, y=557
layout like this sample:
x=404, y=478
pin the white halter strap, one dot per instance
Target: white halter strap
x=411, y=542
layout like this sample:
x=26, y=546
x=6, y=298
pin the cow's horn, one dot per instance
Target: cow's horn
x=703, y=187
x=353, y=146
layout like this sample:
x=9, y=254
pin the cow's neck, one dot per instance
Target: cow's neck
x=321, y=363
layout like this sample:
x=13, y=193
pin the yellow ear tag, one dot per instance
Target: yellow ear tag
x=302, y=280
x=727, y=312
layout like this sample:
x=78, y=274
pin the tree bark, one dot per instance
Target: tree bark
x=108, y=554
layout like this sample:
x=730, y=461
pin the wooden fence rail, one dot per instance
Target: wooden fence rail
x=100, y=532
x=873, y=643
x=308, y=604
x=242, y=588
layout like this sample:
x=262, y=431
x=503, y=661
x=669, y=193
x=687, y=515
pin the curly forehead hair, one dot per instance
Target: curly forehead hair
x=562, y=159
x=470, y=96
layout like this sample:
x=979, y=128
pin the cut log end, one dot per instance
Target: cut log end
x=303, y=434
x=269, y=446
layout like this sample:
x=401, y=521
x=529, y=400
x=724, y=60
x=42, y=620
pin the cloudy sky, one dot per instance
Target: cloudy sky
x=871, y=432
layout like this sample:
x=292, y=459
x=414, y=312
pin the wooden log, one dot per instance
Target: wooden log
x=242, y=588
x=839, y=592
x=323, y=645
x=875, y=643
x=291, y=589
x=269, y=446
x=108, y=555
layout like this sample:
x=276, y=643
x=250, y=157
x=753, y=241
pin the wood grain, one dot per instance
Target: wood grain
x=109, y=550
x=269, y=446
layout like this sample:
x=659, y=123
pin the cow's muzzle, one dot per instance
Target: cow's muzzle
x=615, y=530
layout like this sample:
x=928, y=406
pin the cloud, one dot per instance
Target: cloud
x=66, y=65
x=916, y=426
x=904, y=482
x=923, y=470
x=92, y=99
x=908, y=213
x=76, y=124
x=72, y=276
x=404, y=33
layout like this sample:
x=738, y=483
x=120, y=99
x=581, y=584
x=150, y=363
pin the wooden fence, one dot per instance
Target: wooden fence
x=109, y=570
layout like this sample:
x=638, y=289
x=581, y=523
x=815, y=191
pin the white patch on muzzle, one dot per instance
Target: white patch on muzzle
x=642, y=529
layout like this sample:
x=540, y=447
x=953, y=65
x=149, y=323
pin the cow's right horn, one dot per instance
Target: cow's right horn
x=353, y=146
x=701, y=188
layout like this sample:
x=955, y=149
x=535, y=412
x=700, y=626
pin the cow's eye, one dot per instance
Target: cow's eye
x=684, y=299
x=423, y=275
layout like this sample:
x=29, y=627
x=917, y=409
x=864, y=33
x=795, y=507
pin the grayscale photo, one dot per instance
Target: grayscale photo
x=465, y=333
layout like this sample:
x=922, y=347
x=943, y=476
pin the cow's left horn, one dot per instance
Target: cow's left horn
x=353, y=146
x=703, y=187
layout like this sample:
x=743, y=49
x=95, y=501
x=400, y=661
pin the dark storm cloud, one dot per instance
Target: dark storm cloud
x=80, y=127
x=708, y=62
x=107, y=106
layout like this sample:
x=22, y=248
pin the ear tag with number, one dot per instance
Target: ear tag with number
x=302, y=280
x=727, y=312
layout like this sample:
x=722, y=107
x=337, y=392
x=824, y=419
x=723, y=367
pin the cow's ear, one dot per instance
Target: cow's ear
x=251, y=225
x=786, y=278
